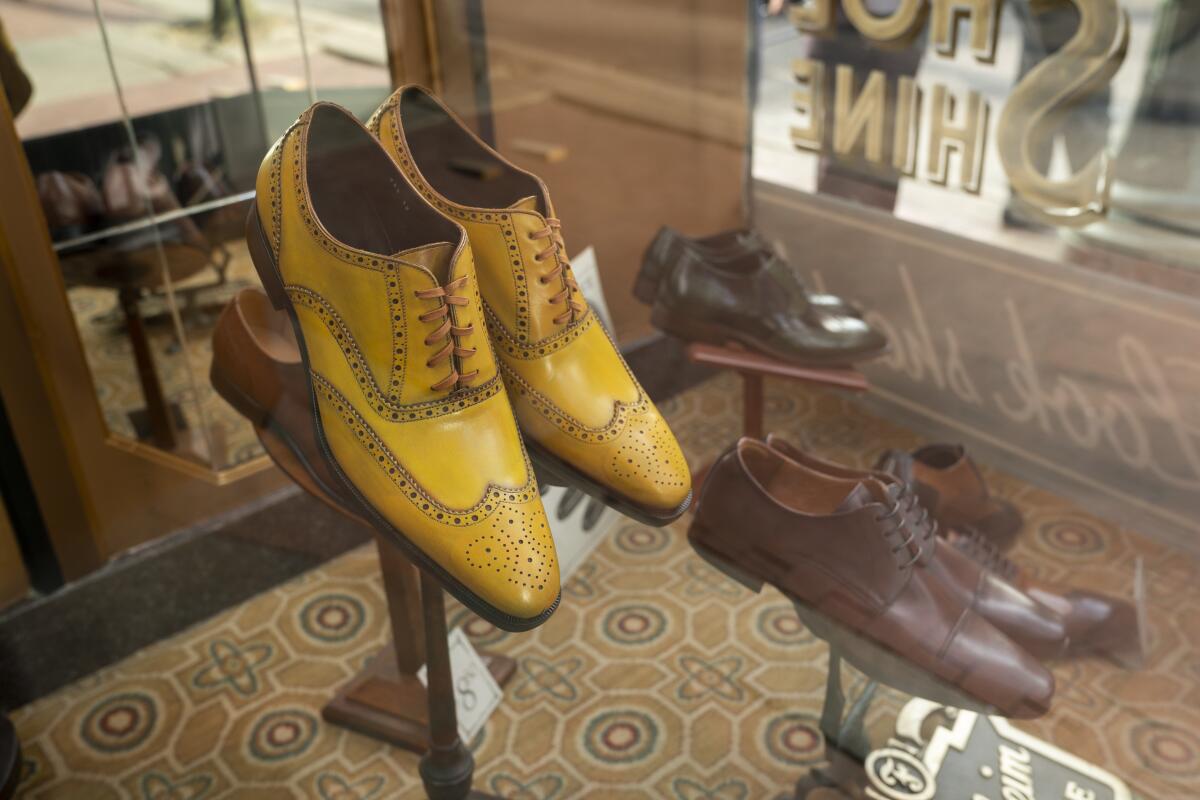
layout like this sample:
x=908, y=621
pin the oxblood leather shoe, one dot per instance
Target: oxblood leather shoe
x=1032, y=625
x=952, y=488
x=739, y=250
x=586, y=420
x=411, y=414
x=257, y=369
x=845, y=549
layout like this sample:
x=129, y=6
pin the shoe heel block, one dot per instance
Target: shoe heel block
x=697, y=535
x=264, y=262
x=645, y=286
x=231, y=393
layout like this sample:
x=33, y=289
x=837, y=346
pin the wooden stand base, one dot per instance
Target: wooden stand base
x=386, y=704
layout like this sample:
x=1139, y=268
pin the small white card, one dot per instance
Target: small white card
x=476, y=693
x=587, y=275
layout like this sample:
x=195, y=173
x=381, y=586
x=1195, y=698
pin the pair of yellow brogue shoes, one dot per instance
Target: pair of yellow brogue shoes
x=427, y=282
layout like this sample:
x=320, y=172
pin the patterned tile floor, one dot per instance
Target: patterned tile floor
x=656, y=678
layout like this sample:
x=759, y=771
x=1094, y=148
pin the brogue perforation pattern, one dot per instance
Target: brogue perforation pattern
x=514, y=549
x=386, y=405
x=493, y=497
x=565, y=422
x=507, y=346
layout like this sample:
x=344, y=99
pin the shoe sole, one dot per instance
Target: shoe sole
x=691, y=330
x=554, y=471
x=262, y=419
x=874, y=659
x=272, y=281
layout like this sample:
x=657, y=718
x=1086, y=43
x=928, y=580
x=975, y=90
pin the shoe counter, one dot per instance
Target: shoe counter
x=727, y=400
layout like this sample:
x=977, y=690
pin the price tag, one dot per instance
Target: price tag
x=476, y=693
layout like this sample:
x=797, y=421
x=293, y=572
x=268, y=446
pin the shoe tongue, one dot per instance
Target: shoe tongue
x=859, y=496
x=897, y=463
x=434, y=257
x=526, y=204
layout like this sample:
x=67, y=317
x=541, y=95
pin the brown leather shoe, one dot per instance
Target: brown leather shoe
x=846, y=549
x=952, y=488
x=1027, y=622
x=1096, y=623
x=256, y=368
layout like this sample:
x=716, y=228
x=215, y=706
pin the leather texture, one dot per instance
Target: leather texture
x=952, y=488
x=735, y=249
x=1097, y=624
x=257, y=369
x=845, y=549
x=362, y=259
x=740, y=291
x=1033, y=626
x=574, y=396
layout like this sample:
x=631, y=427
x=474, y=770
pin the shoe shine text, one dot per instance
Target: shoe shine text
x=893, y=126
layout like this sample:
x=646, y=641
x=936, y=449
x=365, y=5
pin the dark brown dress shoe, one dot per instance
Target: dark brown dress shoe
x=256, y=368
x=846, y=549
x=1096, y=623
x=755, y=299
x=1032, y=625
x=952, y=488
x=669, y=244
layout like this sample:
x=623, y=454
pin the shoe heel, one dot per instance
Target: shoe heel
x=645, y=286
x=722, y=564
x=264, y=262
x=233, y=395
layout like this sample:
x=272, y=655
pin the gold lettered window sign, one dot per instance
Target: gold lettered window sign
x=909, y=129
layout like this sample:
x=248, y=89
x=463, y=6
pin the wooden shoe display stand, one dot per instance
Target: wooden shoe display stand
x=387, y=701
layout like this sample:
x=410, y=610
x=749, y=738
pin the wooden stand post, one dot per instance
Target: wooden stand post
x=386, y=700
x=754, y=369
x=10, y=759
x=448, y=768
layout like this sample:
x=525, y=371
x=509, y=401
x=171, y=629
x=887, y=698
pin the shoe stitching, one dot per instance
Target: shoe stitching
x=386, y=406
x=493, y=496
x=529, y=352
x=567, y=424
x=500, y=219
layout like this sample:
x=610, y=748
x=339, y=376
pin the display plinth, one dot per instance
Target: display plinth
x=385, y=700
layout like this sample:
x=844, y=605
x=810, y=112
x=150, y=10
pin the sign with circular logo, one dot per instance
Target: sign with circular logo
x=896, y=774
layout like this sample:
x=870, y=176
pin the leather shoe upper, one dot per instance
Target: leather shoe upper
x=411, y=405
x=847, y=549
x=574, y=396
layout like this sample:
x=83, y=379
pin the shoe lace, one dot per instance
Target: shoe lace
x=895, y=518
x=977, y=546
x=447, y=333
x=557, y=248
x=925, y=525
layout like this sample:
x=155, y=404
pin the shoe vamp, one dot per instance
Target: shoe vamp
x=583, y=380
x=453, y=458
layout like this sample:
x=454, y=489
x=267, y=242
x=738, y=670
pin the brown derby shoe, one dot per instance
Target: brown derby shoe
x=1096, y=623
x=952, y=488
x=256, y=368
x=846, y=549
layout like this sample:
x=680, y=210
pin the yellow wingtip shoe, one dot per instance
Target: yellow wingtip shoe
x=586, y=420
x=411, y=412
